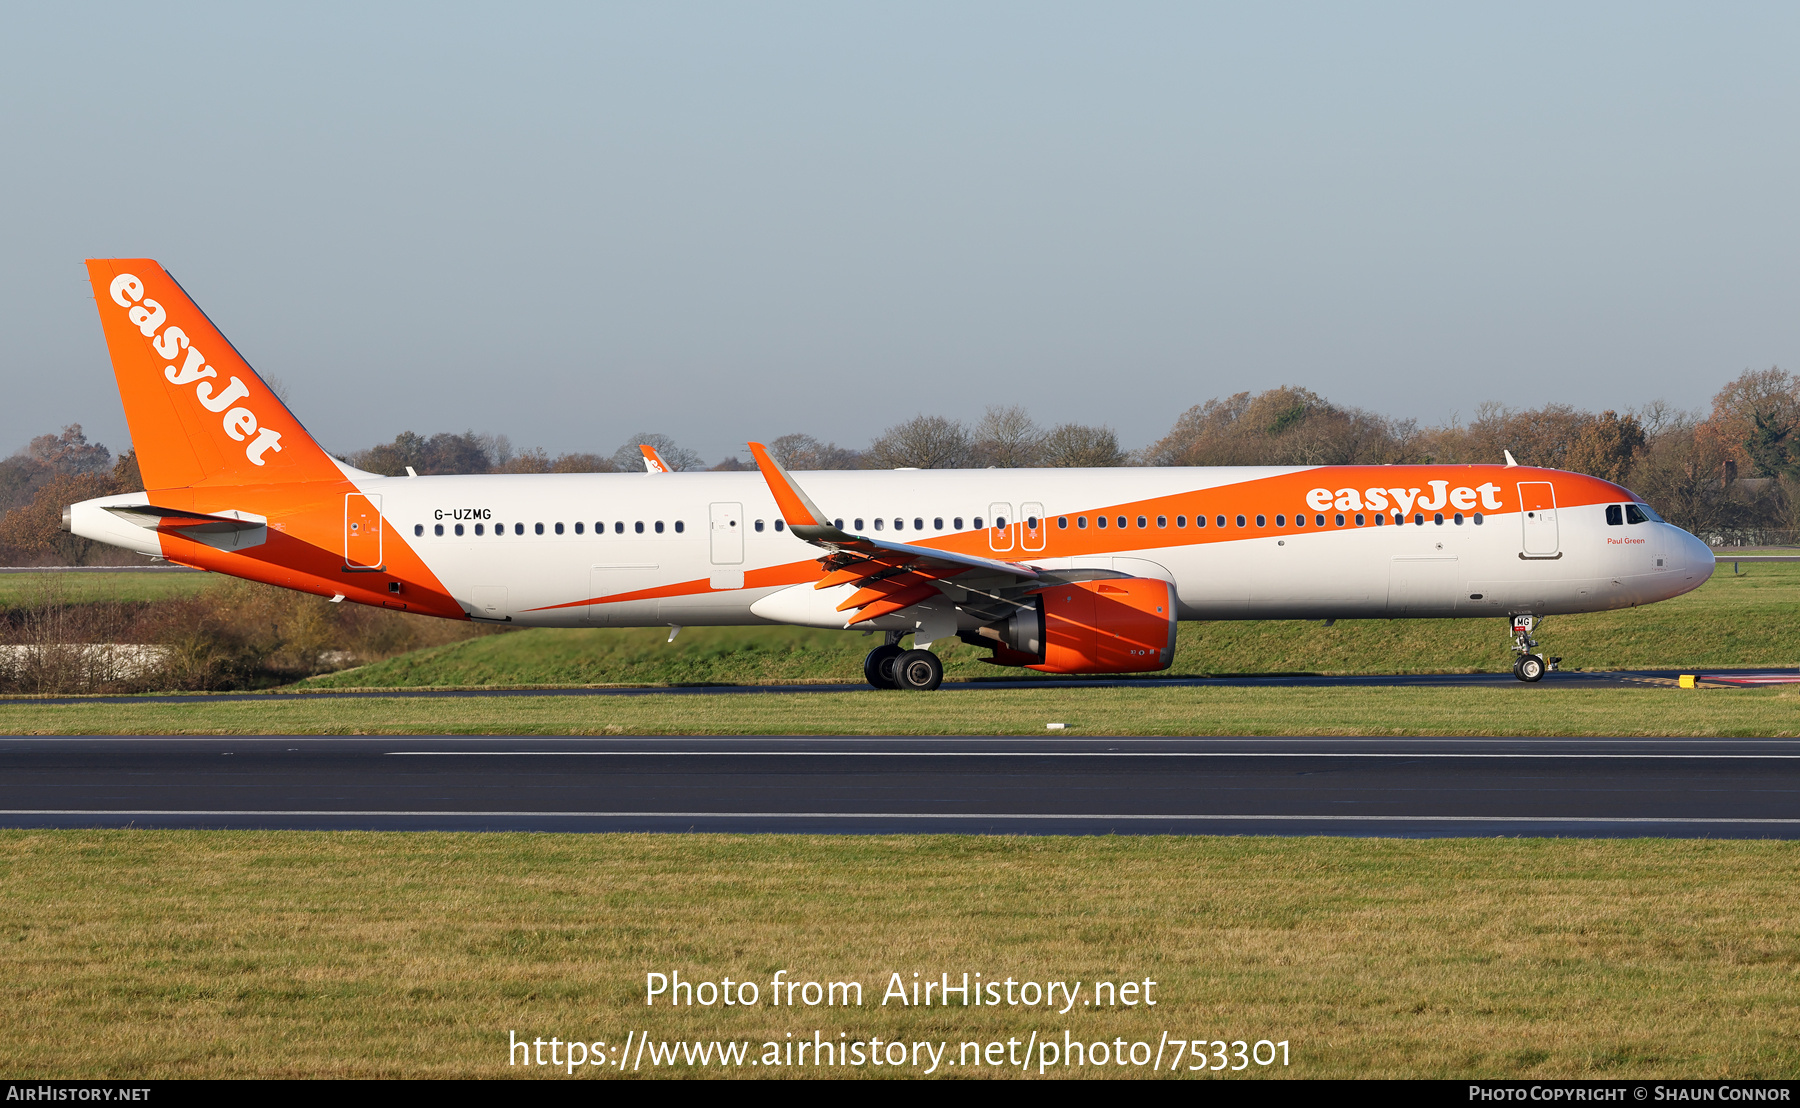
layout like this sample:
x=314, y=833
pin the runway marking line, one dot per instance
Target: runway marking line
x=901, y=815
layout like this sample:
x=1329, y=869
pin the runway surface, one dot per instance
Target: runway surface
x=1608, y=679
x=1727, y=788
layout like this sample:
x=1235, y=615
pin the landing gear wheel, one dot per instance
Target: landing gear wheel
x=920, y=670
x=878, y=667
x=1529, y=667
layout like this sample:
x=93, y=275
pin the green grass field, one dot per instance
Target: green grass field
x=134, y=954
x=88, y=588
x=1750, y=620
x=1010, y=710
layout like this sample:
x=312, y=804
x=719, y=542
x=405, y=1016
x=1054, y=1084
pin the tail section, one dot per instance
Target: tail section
x=199, y=415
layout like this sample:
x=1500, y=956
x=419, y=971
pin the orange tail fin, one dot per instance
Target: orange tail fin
x=199, y=415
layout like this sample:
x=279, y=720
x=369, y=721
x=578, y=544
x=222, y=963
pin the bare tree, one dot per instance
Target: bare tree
x=799, y=451
x=1284, y=426
x=1074, y=445
x=923, y=442
x=1007, y=438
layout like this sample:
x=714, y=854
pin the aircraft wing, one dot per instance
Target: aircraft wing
x=892, y=575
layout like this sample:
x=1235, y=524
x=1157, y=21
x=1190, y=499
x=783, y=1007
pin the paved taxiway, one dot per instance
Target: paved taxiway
x=1563, y=679
x=1342, y=786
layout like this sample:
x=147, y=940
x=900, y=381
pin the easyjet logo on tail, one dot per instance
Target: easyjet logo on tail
x=1376, y=500
x=239, y=422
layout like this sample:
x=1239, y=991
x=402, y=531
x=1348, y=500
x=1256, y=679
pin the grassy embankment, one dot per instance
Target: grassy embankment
x=188, y=954
x=1009, y=710
x=1751, y=620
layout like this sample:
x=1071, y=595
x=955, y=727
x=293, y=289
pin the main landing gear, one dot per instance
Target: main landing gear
x=890, y=667
x=1530, y=665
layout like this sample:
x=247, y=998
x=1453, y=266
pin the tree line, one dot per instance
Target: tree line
x=1728, y=474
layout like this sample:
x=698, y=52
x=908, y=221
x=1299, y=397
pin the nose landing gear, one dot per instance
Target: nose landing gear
x=1530, y=666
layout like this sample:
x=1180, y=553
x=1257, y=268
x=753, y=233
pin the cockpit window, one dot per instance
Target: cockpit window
x=1615, y=515
x=1635, y=514
x=1650, y=512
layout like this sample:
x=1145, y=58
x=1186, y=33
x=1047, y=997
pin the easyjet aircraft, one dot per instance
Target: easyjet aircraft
x=1057, y=570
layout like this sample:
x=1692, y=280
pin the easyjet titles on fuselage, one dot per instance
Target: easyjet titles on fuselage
x=1377, y=499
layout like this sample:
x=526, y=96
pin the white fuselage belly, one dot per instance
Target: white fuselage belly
x=1406, y=570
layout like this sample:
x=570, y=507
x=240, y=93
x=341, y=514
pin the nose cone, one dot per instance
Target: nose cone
x=1692, y=557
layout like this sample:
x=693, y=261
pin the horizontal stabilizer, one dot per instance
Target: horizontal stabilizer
x=149, y=515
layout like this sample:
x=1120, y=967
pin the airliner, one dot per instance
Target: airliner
x=1063, y=571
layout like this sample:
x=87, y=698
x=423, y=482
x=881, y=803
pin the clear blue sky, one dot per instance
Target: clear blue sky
x=728, y=221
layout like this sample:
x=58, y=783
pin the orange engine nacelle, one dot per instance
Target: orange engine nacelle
x=1119, y=625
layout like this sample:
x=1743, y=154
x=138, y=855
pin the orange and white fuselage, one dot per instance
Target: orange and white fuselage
x=237, y=486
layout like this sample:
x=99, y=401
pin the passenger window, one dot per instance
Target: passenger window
x=459, y=529
x=1262, y=521
x=1081, y=523
x=1359, y=519
x=759, y=526
x=418, y=529
x=859, y=525
x=438, y=530
x=1438, y=519
x=1100, y=521
x=1000, y=523
x=1478, y=519
x=578, y=528
x=638, y=527
x=1181, y=521
x=977, y=522
x=1062, y=523
x=1635, y=514
x=1162, y=521
x=1299, y=520
x=957, y=523
x=899, y=525
x=1318, y=521
x=478, y=528
x=838, y=523
x=918, y=525
x=1615, y=515
x=1142, y=523
x=1340, y=519
x=1121, y=522
x=878, y=524
x=780, y=526
x=659, y=527
x=619, y=527
x=1458, y=519
x=559, y=529
x=1240, y=521
x=937, y=523
x=1281, y=521
x=1200, y=521
x=519, y=528
x=1419, y=520
x=1381, y=519
x=1220, y=521
x=681, y=525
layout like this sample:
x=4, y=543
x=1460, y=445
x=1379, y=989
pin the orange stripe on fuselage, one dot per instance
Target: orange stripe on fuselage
x=1281, y=495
